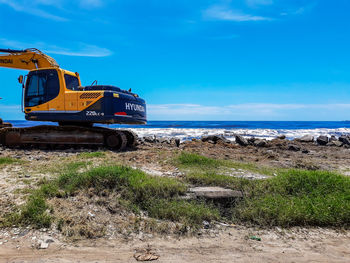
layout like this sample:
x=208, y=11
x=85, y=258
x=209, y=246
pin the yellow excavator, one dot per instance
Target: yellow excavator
x=51, y=93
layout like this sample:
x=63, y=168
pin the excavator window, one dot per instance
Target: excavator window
x=42, y=86
x=72, y=82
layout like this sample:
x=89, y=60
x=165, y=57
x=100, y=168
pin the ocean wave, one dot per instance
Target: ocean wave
x=187, y=133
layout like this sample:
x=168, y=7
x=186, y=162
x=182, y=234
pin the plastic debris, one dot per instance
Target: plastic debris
x=255, y=238
x=145, y=255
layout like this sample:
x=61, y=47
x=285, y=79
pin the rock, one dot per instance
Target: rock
x=333, y=139
x=27, y=176
x=335, y=143
x=260, y=143
x=306, y=138
x=281, y=137
x=177, y=142
x=209, y=138
x=241, y=140
x=163, y=140
x=43, y=245
x=214, y=138
x=344, y=139
x=322, y=140
x=305, y=151
x=214, y=192
x=251, y=140
x=223, y=139
x=206, y=224
x=149, y=139
x=293, y=147
x=48, y=239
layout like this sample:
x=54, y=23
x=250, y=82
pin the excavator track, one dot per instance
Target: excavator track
x=68, y=136
x=4, y=124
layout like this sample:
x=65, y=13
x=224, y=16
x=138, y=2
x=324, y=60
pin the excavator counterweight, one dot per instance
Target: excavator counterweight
x=51, y=93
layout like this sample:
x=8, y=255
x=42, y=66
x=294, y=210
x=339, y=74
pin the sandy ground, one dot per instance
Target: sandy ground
x=229, y=244
x=233, y=245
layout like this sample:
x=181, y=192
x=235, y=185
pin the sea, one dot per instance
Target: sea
x=187, y=130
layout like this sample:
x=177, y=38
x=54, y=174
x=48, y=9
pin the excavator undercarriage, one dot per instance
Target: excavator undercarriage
x=49, y=136
x=4, y=124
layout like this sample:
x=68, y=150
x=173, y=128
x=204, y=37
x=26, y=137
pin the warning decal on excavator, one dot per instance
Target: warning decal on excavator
x=6, y=61
x=94, y=113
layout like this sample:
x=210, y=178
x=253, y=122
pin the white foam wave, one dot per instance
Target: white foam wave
x=188, y=134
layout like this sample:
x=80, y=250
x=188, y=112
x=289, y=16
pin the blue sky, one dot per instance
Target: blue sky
x=194, y=60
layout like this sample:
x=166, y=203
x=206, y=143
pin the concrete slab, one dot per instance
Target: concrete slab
x=214, y=192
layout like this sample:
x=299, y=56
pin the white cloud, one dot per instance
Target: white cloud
x=256, y=10
x=84, y=50
x=78, y=49
x=36, y=7
x=31, y=8
x=219, y=12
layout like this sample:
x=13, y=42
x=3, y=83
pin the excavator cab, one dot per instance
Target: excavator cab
x=41, y=87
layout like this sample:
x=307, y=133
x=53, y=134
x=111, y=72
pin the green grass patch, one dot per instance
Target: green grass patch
x=292, y=198
x=192, y=162
x=298, y=197
x=120, y=178
x=8, y=160
x=158, y=196
x=33, y=213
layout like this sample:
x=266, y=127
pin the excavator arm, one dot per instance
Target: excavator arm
x=27, y=59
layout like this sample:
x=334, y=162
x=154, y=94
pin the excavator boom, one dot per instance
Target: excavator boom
x=27, y=59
